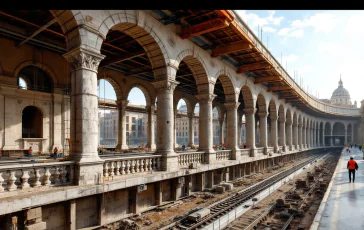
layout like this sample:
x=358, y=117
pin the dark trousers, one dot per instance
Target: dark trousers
x=351, y=171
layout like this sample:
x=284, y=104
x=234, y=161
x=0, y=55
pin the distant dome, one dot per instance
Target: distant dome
x=341, y=96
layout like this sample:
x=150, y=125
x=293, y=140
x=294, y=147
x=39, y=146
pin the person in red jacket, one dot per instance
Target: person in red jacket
x=352, y=166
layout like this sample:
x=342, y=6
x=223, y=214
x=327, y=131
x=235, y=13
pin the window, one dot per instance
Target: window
x=133, y=120
x=186, y=134
x=114, y=122
x=127, y=127
x=133, y=127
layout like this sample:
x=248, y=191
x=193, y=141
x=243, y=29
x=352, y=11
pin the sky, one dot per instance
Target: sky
x=314, y=46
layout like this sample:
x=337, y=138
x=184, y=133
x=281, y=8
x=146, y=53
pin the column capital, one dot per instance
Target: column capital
x=221, y=120
x=206, y=97
x=282, y=119
x=165, y=86
x=81, y=58
x=250, y=111
x=263, y=113
x=122, y=103
x=190, y=115
x=232, y=105
x=289, y=122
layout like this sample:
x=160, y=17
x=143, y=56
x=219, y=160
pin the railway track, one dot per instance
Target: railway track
x=224, y=206
x=254, y=221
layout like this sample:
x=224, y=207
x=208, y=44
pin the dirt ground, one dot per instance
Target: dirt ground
x=156, y=219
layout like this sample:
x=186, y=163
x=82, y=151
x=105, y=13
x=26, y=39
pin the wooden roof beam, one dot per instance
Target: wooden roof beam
x=267, y=79
x=279, y=88
x=230, y=48
x=121, y=59
x=204, y=27
x=251, y=67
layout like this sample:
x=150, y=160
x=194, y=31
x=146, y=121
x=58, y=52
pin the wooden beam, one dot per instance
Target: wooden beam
x=267, y=79
x=279, y=88
x=230, y=48
x=204, y=27
x=121, y=59
x=254, y=66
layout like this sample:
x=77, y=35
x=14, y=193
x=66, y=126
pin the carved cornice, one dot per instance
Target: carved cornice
x=165, y=86
x=206, y=97
x=232, y=105
x=80, y=58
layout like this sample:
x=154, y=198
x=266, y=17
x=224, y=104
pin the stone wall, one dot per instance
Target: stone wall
x=86, y=212
x=55, y=216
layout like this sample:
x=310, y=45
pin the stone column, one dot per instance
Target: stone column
x=221, y=121
x=151, y=138
x=232, y=132
x=303, y=137
x=352, y=133
x=323, y=137
x=121, y=106
x=84, y=115
x=331, y=138
x=175, y=145
x=205, y=126
x=289, y=134
x=165, y=124
x=295, y=135
x=282, y=133
x=263, y=130
x=346, y=137
x=250, y=129
x=299, y=127
x=308, y=137
x=314, y=136
x=190, y=130
x=240, y=125
x=57, y=121
x=274, y=131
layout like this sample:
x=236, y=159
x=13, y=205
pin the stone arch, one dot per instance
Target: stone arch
x=220, y=111
x=188, y=104
x=281, y=111
x=140, y=30
x=142, y=88
x=249, y=100
x=261, y=102
x=288, y=115
x=328, y=128
x=228, y=86
x=198, y=68
x=273, y=107
x=68, y=21
x=115, y=85
x=295, y=119
x=41, y=66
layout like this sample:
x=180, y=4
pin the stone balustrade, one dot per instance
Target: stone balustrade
x=270, y=149
x=184, y=159
x=131, y=165
x=223, y=155
x=245, y=152
x=260, y=151
x=24, y=175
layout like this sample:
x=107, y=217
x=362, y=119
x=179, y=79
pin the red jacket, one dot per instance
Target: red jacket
x=352, y=165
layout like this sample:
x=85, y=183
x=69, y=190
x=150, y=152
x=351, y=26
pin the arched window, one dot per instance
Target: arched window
x=32, y=122
x=35, y=78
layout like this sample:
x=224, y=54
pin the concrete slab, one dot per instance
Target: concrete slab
x=344, y=208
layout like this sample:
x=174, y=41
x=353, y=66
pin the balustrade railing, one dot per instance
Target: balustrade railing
x=184, y=159
x=26, y=176
x=131, y=165
x=223, y=155
x=260, y=150
x=245, y=152
x=270, y=149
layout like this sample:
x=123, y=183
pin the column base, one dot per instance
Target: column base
x=152, y=147
x=88, y=173
x=210, y=156
x=235, y=154
x=190, y=145
x=121, y=148
x=253, y=152
x=275, y=150
x=284, y=148
x=169, y=161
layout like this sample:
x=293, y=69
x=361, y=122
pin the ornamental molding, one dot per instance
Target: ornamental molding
x=232, y=105
x=80, y=58
x=263, y=114
x=206, y=98
x=165, y=86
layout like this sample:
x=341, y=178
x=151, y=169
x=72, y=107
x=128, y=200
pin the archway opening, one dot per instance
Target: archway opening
x=196, y=130
x=32, y=122
x=338, y=134
x=216, y=126
x=136, y=119
x=182, y=123
x=108, y=115
x=34, y=78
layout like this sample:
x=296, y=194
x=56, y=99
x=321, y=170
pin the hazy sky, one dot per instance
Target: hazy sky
x=316, y=46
